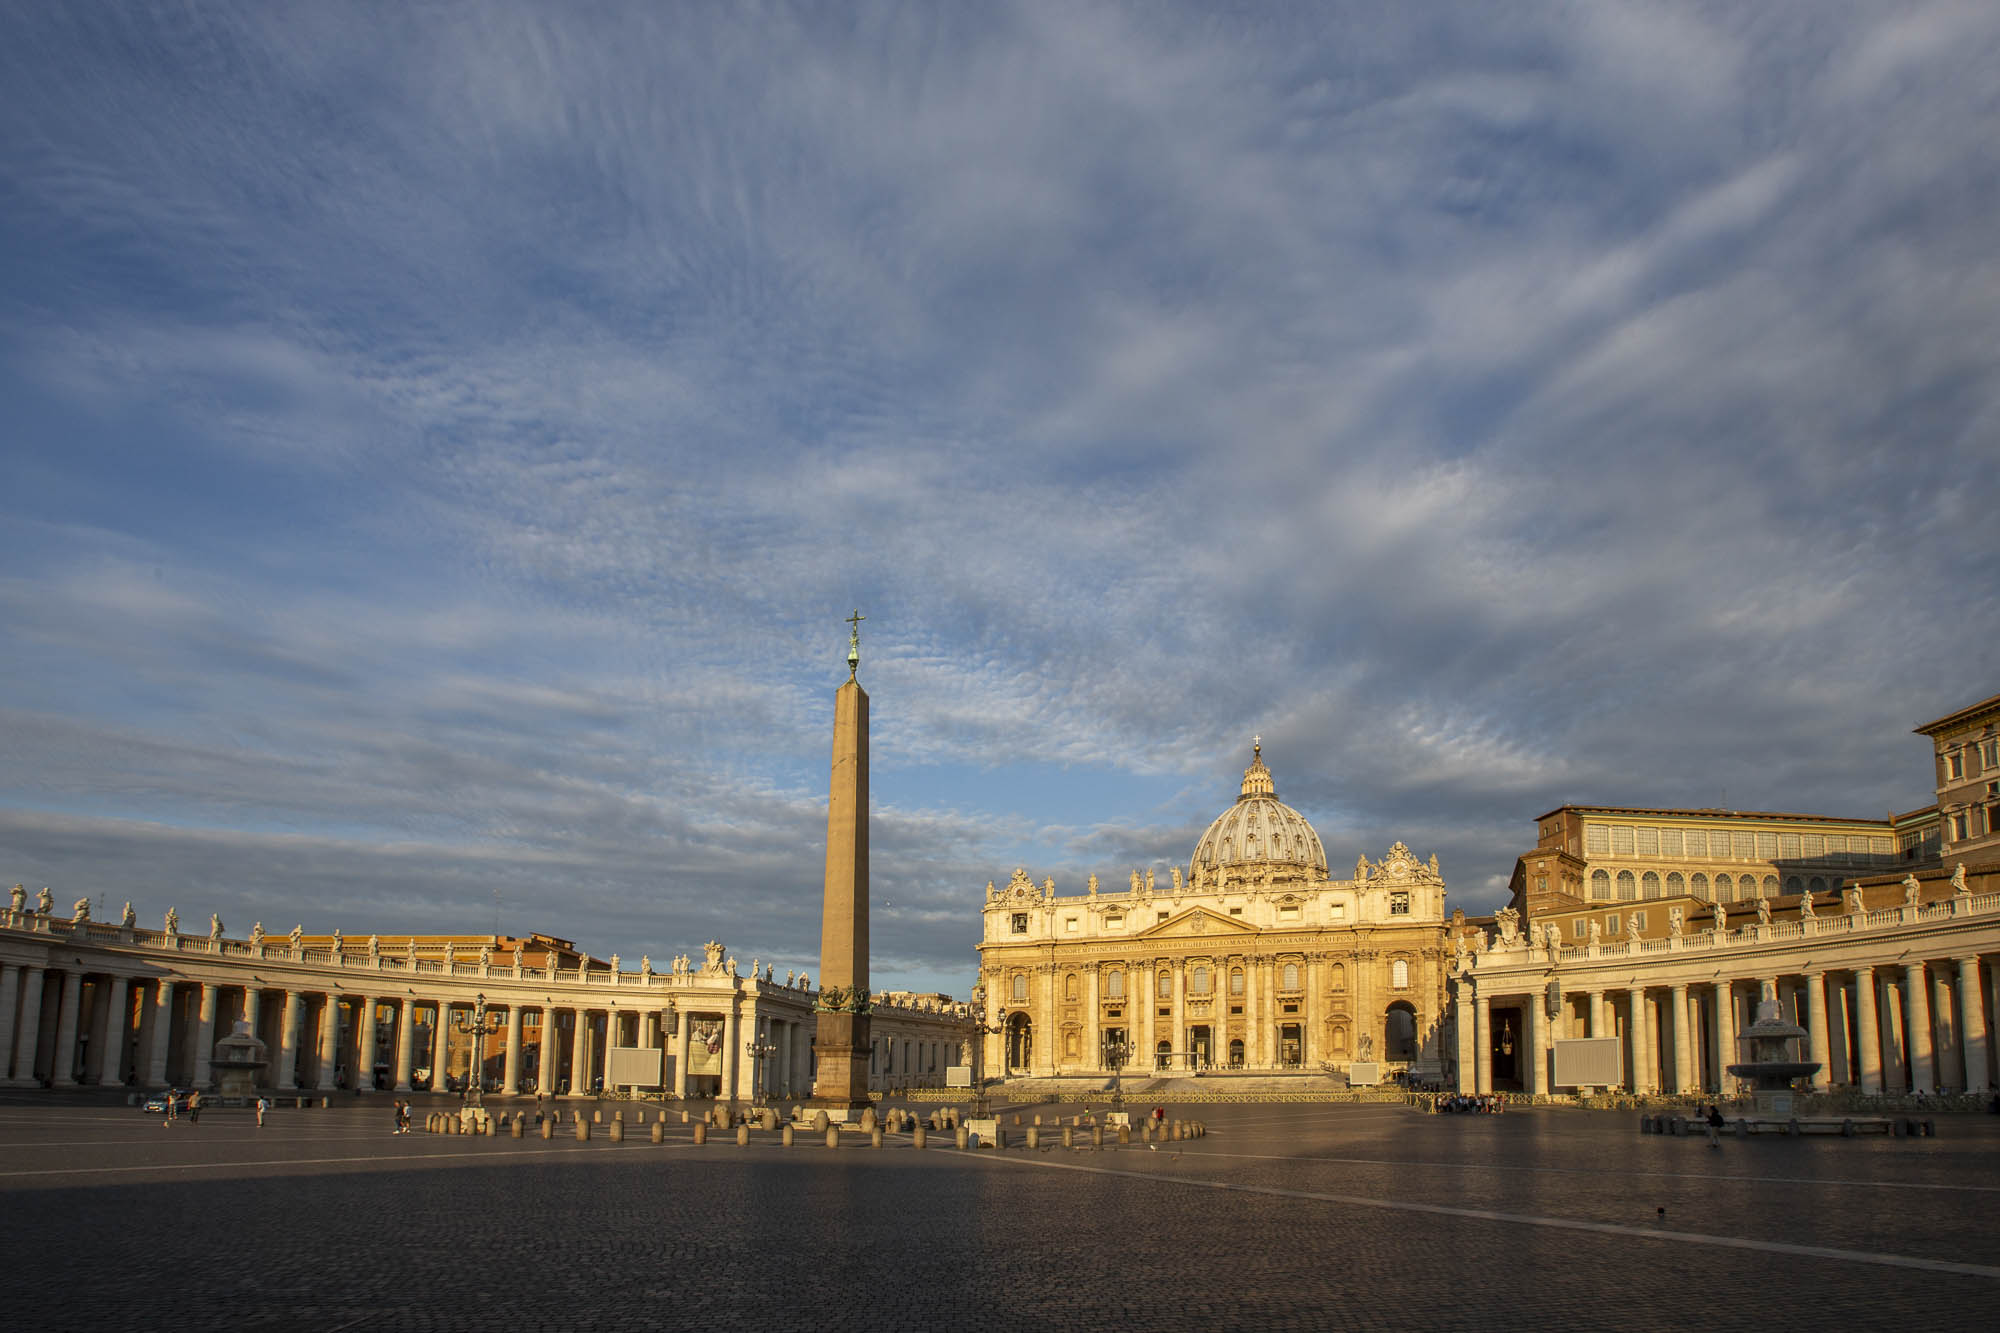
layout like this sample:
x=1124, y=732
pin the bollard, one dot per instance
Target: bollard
x=1124, y=1133
x=700, y=1132
x=1000, y=1137
x=582, y=1130
x=875, y=1137
x=1742, y=1128
x=618, y=1131
x=1038, y=1119
x=1930, y=1129
x=1017, y=1118
x=958, y=1136
x=1034, y=1137
x=684, y=1117
x=1069, y=1136
x=785, y=1137
x=1097, y=1136
x=617, y=1115
x=548, y=1129
x=1645, y=1124
x=743, y=1136
x=770, y=1123
x=917, y=1135
x=833, y=1136
x=659, y=1132
x=1847, y=1129
x=518, y=1129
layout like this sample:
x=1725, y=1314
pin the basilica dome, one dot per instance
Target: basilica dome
x=1259, y=833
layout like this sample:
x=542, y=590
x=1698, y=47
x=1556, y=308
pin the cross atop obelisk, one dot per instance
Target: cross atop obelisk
x=842, y=1041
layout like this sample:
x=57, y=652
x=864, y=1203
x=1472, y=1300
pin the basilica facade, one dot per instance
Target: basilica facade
x=1253, y=959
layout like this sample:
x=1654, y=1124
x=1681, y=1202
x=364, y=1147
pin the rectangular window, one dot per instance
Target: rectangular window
x=1236, y=911
x=1576, y=928
x=1069, y=924
x=1621, y=840
x=1597, y=839
x=1541, y=884
x=1958, y=828
x=1611, y=924
x=1745, y=845
x=1767, y=846
x=1649, y=842
x=1114, y=923
x=1812, y=844
x=1670, y=842
x=1954, y=765
x=1989, y=756
x=1399, y=904
x=1788, y=846
x=1880, y=849
x=1638, y=922
x=1697, y=842
x=1340, y=911
x=1836, y=845
x=1020, y=923
x=1288, y=914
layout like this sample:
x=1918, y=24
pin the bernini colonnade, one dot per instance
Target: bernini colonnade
x=87, y=1003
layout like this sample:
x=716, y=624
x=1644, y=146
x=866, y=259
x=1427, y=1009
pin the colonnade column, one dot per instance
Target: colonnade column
x=204, y=1033
x=1865, y=1036
x=440, y=1044
x=111, y=1048
x=406, y=1041
x=364, y=1074
x=1597, y=1013
x=10, y=985
x=681, y=1028
x=579, y=1042
x=33, y=981
x=730, y=1045
x=1816, y=1040
x=1918, y=1026
x=163, y=1024
x=1725, y=1034
x=1973, y=1036
x=62, y=1064
x=1482, y=1042
x=1535, y=1045
x=329, y=1040
x=1468, y=1058
x=288, y=1040
x=510, y=1081
x=1637, y=1021
x=1684, y=1066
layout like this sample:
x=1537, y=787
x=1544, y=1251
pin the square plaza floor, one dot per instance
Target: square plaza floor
x=1284, y=1216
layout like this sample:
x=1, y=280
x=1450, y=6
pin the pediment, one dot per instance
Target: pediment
x=1196, y=921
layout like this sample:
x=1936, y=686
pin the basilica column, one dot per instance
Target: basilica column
x=62, y=1065
x=510, y=1084
x=1867, y=1040
x=1917, y=995
x=1636, y=1022
x=406, y=1041
x=681, y=1052
x=1482, y=1041
x=10, y=987
x=288, y=1041
x=1534, y=1046
x=201, y=1032
x=1816, y=1042
x=111, y=1048
x=1463, y=1023
x=1973, y=1031
x=163, y=1025
x=1180, y=1037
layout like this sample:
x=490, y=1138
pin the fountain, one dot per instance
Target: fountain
x=236, y=1061
x=1770, y=1068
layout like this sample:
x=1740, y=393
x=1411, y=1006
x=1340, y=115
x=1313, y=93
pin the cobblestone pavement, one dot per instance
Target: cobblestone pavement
x=1284, y=1216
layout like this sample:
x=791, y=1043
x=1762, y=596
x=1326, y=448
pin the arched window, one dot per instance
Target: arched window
x=1291, y=976
x=1165, y=987
x=1817, y=885
x=1650, y=884
x=1020, y=986
x=1676, y=886
x=1198, y=981
x=1235, y=981
x=1770, y=886
x=1600, y=884
x=1114, y=986
x=1628, y=888
x=1724, y=890
x=1793, y=884
x=1699, y=885
x=1069, y=986
x=1399, y=974
x=1336, y=977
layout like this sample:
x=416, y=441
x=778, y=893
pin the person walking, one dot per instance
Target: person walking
x=262, y=1106
x=173, y=1104
x=194, y=1107
x=1714, y=1126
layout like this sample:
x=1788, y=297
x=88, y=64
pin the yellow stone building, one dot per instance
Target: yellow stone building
x=1253, y=959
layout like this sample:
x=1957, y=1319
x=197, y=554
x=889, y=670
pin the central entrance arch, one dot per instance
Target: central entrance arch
x=1020, y=1042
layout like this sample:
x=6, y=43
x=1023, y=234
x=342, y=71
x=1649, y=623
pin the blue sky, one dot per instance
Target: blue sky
x=442, y=442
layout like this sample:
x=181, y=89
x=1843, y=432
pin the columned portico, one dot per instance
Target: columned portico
x=1482, y=1041
x=110, y=1042
x=1918, y=1025
x=1971, y=1004
x=163, y=1024
x=510, y=1081
x=329, y=1040
x=406, y=1042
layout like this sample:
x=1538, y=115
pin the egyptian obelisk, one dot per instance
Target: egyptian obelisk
x=842, y=1043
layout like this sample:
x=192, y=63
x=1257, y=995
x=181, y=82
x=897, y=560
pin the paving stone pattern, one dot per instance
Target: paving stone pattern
x=324, y=1220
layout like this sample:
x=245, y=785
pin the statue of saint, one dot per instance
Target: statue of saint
x=1176, y=873
x=645, y=965
x=374, y=946
x=1721, y=917
x=45, y=902
x=128, y=917
x=1596, y=933
x=1913, y=892
x=81, y=911
x=173, y=922
x=713, y=950
x=1958, y=884
x=298, y=937
x=1093, y=885
x=19, y=898
x=1675, y=919
x=215, y=925
x=257, y=935
x=1763, y=910
x=1806, y=906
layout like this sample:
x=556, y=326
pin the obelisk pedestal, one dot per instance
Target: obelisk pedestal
x=841, y=1045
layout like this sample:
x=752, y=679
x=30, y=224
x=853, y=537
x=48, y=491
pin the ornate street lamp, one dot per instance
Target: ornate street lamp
x=759, y=1051
x=479, y=1025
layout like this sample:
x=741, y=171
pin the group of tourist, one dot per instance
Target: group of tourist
x=1454, y=1103
x=402, y=1109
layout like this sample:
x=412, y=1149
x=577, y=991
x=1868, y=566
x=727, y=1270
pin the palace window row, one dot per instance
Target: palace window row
x=1725, y=888
x=1733, y=844
x=1200, y=981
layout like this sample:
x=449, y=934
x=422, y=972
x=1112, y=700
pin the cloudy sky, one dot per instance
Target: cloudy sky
x=442, y=442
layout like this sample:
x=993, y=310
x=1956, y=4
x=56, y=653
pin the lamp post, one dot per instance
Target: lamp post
x=979, y=1107
x=1114, y=1055
x=479, y=1025
x=759, y=1051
